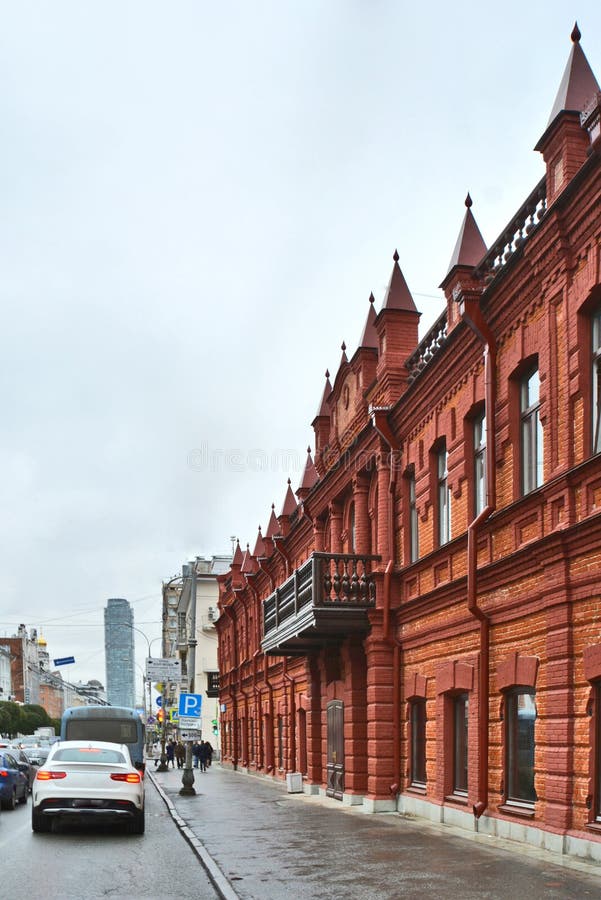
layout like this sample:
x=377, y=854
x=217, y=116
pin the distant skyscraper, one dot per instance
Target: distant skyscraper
x=119, y=653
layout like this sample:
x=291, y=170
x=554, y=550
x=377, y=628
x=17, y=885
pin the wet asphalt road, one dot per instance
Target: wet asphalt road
x=90, y=862
x=272, y=845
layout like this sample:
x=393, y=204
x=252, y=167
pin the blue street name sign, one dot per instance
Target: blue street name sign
x=190, y=705
x=64, y=661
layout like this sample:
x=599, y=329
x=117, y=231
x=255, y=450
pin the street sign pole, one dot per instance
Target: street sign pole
x=187, y=787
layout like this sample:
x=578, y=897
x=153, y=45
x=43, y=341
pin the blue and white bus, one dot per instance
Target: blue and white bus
x=118, y=724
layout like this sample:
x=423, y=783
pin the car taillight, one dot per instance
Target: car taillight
x=44, y=775
x=130, y=777
x=3, y=773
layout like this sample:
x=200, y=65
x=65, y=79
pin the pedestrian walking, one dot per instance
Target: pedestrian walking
x=203, y=756
x=209, y=753
x=171, y=754
x=180, y=754
x=196, y=753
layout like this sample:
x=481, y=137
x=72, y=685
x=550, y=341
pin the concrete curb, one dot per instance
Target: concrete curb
x=216, y=876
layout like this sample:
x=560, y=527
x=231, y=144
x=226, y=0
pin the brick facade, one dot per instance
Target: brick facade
x=495, y=629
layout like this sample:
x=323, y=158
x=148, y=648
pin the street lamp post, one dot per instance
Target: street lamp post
x=187, y=787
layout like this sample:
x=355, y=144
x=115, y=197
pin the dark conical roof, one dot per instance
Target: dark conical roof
x=290, y=503
x=273, y=527
x=310, y=475
x=578, y=84
x=259, y=550
x=238, y=556
x=249, y=563
x=369, y=338
x=577, y=87
x=398, y=295
x=470, y=246
x=324, y=409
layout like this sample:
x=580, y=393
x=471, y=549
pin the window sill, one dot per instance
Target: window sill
x=593, y=826
x=459, y=799
x=511, y=809
x=417, y=789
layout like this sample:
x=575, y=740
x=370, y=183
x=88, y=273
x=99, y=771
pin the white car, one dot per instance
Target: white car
x=88, y=780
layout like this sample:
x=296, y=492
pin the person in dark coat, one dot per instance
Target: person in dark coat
x=171, y=754
x=196, y=753
x=209, y=753
x=180, y=754
x=203, y=755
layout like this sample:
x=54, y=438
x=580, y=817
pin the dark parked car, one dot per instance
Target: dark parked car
x=28, y=765
x=14, y=784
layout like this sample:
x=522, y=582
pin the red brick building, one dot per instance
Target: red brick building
x=420, y=628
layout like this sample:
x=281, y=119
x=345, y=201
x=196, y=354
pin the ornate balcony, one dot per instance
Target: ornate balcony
x=322, y=602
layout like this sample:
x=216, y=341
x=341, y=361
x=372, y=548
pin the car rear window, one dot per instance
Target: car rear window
x=88, y=755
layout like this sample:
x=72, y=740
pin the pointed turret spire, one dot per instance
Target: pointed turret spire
x=272, y=528
x=470, y=246
x=578, y=84
x=397, y=294
x=259, y=550
x=249, y=563
x=343, y=358
x=310, y=477
x=324, y=409
x=369, y=338
x=290, y=503
x=565, y=143
x=238, y=555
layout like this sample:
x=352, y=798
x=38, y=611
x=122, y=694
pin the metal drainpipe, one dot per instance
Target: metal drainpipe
x=381, y=425
x=291, y=716
x=227, y=610
x=269, y=748
x=472, y=315
x=276, y=542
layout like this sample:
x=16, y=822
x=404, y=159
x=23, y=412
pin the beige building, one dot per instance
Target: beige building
x=189, y=614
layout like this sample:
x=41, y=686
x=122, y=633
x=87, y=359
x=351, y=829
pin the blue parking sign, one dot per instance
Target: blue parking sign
x=190, y=705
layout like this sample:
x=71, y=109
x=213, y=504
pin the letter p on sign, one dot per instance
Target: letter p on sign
x=190, y=705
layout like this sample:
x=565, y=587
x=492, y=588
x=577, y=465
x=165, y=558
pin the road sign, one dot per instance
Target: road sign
x=159, y=701
x=190, y=705
x=163, y=669
x=189, y=723
x=191, y=734
x=64, y=661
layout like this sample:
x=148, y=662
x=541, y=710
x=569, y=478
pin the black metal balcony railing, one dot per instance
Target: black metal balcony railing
x=326, y=595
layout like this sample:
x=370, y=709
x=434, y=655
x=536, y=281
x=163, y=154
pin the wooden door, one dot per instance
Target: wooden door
x=335, y=762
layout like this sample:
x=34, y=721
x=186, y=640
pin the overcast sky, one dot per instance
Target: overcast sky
x=197, y=200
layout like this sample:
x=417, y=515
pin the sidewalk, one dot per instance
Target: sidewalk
x=258, y=842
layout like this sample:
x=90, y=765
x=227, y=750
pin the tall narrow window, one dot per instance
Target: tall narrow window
x=413, y=527
x=531, y=432
x=351, y=528
x=520, y=718
x=444, y=498
x=479, y=462
x=418, y=742
x=596, y=380
x=460, y=736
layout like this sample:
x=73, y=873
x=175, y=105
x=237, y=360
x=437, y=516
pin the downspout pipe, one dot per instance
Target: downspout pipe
x=469, y=308
x=235, y=755
x=291, y=716
x=382, y=426
x=277, y=540
x=269, y=748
